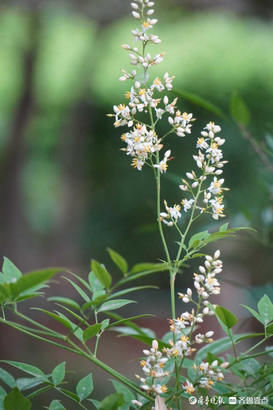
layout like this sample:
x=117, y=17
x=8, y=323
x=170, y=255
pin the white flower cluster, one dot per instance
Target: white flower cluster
x=141, y=139
x=210, y=161
x=152, y=367
x=205, y=285
x=209, y=373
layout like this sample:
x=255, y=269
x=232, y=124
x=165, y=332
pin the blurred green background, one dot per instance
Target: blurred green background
x=67, y=191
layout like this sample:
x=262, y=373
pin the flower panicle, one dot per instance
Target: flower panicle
x=145, y=97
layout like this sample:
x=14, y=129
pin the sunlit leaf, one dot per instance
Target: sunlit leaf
x=265, y=308
x=58, y=373
x=10, y=271
x=101, y=273
x=85, y=387
x=32, y=279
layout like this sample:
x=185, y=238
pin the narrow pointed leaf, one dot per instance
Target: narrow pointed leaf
x=27, y=368
x=101, y=273
x=146, y=266
x=58, y=373
x=85, y=387
x=119, y=260
x=126, y=320
x=66, y=323
x=84, y=296
x=254, y=313
x=114, y=304
x=26, y=383
x=65, y=301
x=7, y=378
x=130, y=290
x=29, y=280
x=91, y=331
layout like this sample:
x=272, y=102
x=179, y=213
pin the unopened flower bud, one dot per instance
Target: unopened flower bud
x=155, y=344
x=217, y=254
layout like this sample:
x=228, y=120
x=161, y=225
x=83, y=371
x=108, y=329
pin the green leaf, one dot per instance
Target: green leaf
x=3, y=394
x=27, y=368
x=269, y=350
x=56, y=405
x=7, y=378
x=58, y=373
x=239, y=110
x=95, y=283
x=105, y=324
x=65, y=301
x=91, y=331
x=219, y=346
x=254, y=313
x=226, y=317
x=26, y=383
x=64, y=321
x=120, y=388
x=95, y=403
x=125, y=320
x=16, y=401
x=101, y=273
x=85, y=387
x=130, y=290
x=200, y=102
x=197, y=238
x=84, y=296
x=223, y=228
x=249, y=366
x=269, y=330
x=10, y=271
x=114, y=304
x=112, y=402
x=29, y=280
x=146, y=266
x=265, y=308
x=119, y=260
x=69, y=394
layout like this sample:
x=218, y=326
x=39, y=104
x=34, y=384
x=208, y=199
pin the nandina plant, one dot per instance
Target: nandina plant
x=186, y=365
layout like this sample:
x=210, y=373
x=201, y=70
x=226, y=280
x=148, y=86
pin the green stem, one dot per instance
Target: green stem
x=255, y=346
x=77, y=350
x=97, y=336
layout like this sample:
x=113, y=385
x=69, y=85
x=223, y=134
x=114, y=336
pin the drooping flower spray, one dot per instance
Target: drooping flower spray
x=148, y=105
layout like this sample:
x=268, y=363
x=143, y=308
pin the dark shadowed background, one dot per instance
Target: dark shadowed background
x=67, y=191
